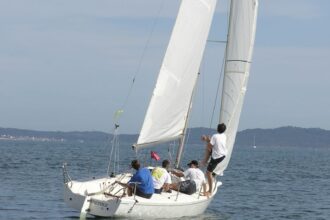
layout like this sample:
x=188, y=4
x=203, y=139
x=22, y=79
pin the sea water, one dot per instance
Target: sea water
x=262, y=183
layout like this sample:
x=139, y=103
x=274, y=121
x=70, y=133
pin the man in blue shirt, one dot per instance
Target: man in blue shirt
x=142, y=180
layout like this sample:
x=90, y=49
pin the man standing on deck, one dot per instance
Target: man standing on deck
x=216, y=148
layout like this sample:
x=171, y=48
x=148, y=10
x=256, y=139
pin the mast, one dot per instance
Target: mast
x=183, y=138
x=181, y=144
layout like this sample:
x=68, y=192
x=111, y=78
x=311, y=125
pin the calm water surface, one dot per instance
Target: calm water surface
x=262, y=183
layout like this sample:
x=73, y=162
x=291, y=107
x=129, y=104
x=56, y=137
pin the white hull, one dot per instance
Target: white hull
x=165, y=205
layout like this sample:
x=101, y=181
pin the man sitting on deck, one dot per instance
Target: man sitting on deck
x=161, y=178
x=195, y=177
x=141, y=179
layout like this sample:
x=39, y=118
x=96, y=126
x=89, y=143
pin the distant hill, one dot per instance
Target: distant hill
x=283, y=136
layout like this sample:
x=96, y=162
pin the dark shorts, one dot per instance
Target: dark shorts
x=159, y=191
x=213, y=163
x=187, y=187
x=142, y=194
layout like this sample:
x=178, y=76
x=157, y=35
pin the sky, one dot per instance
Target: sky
x=69, y=65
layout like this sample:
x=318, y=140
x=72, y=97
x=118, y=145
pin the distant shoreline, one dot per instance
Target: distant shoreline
x=282, y=136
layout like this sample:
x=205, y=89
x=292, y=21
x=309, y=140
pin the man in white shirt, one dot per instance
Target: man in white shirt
x=216, y=148
x=161, y=178
x=194, y=179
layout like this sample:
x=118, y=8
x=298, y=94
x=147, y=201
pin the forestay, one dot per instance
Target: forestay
x=169, y=106
x=240, y=42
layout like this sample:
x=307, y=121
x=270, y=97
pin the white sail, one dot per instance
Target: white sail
x=169, y=106
x=240, y=42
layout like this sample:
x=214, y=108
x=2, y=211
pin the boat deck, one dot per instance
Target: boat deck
x=105, y=189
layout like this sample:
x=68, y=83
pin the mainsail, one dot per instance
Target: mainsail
x=167, y=113
x=240, y=42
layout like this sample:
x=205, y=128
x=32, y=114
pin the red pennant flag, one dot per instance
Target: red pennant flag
x=154, y=155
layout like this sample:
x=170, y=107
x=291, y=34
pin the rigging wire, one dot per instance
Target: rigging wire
x=217, y=93
x=145, y=48
x=114, y=153
x=222, y=65
x=203, y=93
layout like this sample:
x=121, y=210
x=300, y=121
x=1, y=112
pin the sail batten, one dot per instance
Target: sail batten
x=240, y=42
x=169, y=106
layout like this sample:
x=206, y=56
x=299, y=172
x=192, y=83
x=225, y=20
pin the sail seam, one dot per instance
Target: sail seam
x=243, y=61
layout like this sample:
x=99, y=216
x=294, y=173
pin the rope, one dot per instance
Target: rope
x=169, y=152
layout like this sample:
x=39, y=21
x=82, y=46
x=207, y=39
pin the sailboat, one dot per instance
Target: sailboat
x=169, y=109
x=254, y=142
